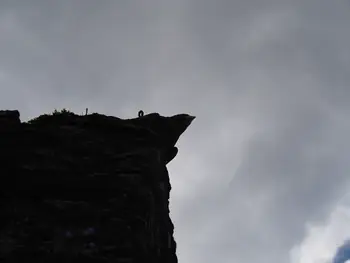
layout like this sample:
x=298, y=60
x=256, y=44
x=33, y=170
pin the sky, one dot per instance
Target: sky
x=262, y=172
x=343, y=253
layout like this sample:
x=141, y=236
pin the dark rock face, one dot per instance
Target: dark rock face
x=9, y=117
x=91, y=188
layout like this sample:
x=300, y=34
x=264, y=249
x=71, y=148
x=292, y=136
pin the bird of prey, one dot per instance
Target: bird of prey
x=141, y=113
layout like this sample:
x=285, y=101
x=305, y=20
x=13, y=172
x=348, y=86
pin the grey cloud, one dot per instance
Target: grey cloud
x=289, y=175
x=272, y=74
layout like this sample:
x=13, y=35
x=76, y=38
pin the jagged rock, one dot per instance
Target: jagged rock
x=8, y=117
x=93, y=188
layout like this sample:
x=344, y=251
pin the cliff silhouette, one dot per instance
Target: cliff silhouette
x=87, y=188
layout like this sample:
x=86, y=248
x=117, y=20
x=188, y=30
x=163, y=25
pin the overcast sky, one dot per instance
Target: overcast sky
x=262, y=174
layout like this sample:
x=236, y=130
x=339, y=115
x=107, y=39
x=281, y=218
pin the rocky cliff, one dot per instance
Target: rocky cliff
x=90, y=188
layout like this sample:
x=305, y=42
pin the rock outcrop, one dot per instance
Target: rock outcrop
x=91, y=188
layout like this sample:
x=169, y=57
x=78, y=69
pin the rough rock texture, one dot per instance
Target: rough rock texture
x=91, y=188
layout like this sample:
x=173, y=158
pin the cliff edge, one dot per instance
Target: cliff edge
x=90, y=188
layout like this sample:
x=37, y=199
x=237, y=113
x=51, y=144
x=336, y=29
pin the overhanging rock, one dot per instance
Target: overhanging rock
x=93, y=188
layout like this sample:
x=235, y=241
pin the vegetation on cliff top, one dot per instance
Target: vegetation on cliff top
x=64, y=113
